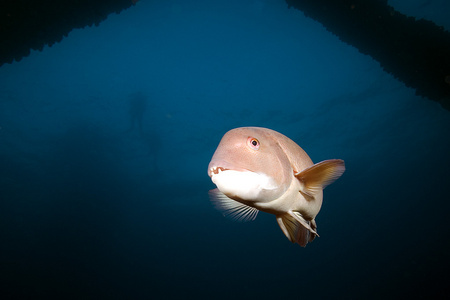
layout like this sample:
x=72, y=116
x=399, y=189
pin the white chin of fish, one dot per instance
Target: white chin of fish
x=245, y=185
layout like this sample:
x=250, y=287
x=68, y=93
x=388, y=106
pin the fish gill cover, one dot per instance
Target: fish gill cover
x=105, y=140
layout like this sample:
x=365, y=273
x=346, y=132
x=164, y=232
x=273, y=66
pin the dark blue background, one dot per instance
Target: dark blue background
x=105, y=139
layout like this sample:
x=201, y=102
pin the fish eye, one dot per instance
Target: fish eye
x=253, y=143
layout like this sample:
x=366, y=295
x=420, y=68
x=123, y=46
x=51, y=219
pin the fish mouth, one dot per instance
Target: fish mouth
x=216, y=170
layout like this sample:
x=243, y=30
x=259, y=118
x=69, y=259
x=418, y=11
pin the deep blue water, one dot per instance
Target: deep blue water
x=105, y=139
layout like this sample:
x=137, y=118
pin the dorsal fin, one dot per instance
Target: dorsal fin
x=320, y=175
x=231, y=208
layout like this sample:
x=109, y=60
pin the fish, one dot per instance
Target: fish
x=259, y=169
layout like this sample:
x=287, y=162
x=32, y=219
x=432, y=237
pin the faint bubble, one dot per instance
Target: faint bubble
x=447, y=79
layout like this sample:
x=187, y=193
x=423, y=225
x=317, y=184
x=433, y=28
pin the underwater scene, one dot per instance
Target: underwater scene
x=106, y=139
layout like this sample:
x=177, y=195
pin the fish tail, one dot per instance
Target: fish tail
x=296, y=228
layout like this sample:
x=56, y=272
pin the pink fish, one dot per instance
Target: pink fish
x=258, y=169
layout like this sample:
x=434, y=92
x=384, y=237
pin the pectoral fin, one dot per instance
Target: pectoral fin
x=296, y=228
x=320, y=175
x=231, y=208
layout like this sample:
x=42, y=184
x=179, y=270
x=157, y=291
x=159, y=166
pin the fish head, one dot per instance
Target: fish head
x=250, y=166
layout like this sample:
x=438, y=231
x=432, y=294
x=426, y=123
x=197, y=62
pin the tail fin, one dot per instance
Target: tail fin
x=296, y=228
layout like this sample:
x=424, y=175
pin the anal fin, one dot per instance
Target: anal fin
x=296, y=228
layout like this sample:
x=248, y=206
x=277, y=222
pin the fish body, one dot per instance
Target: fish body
x=258, y=169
